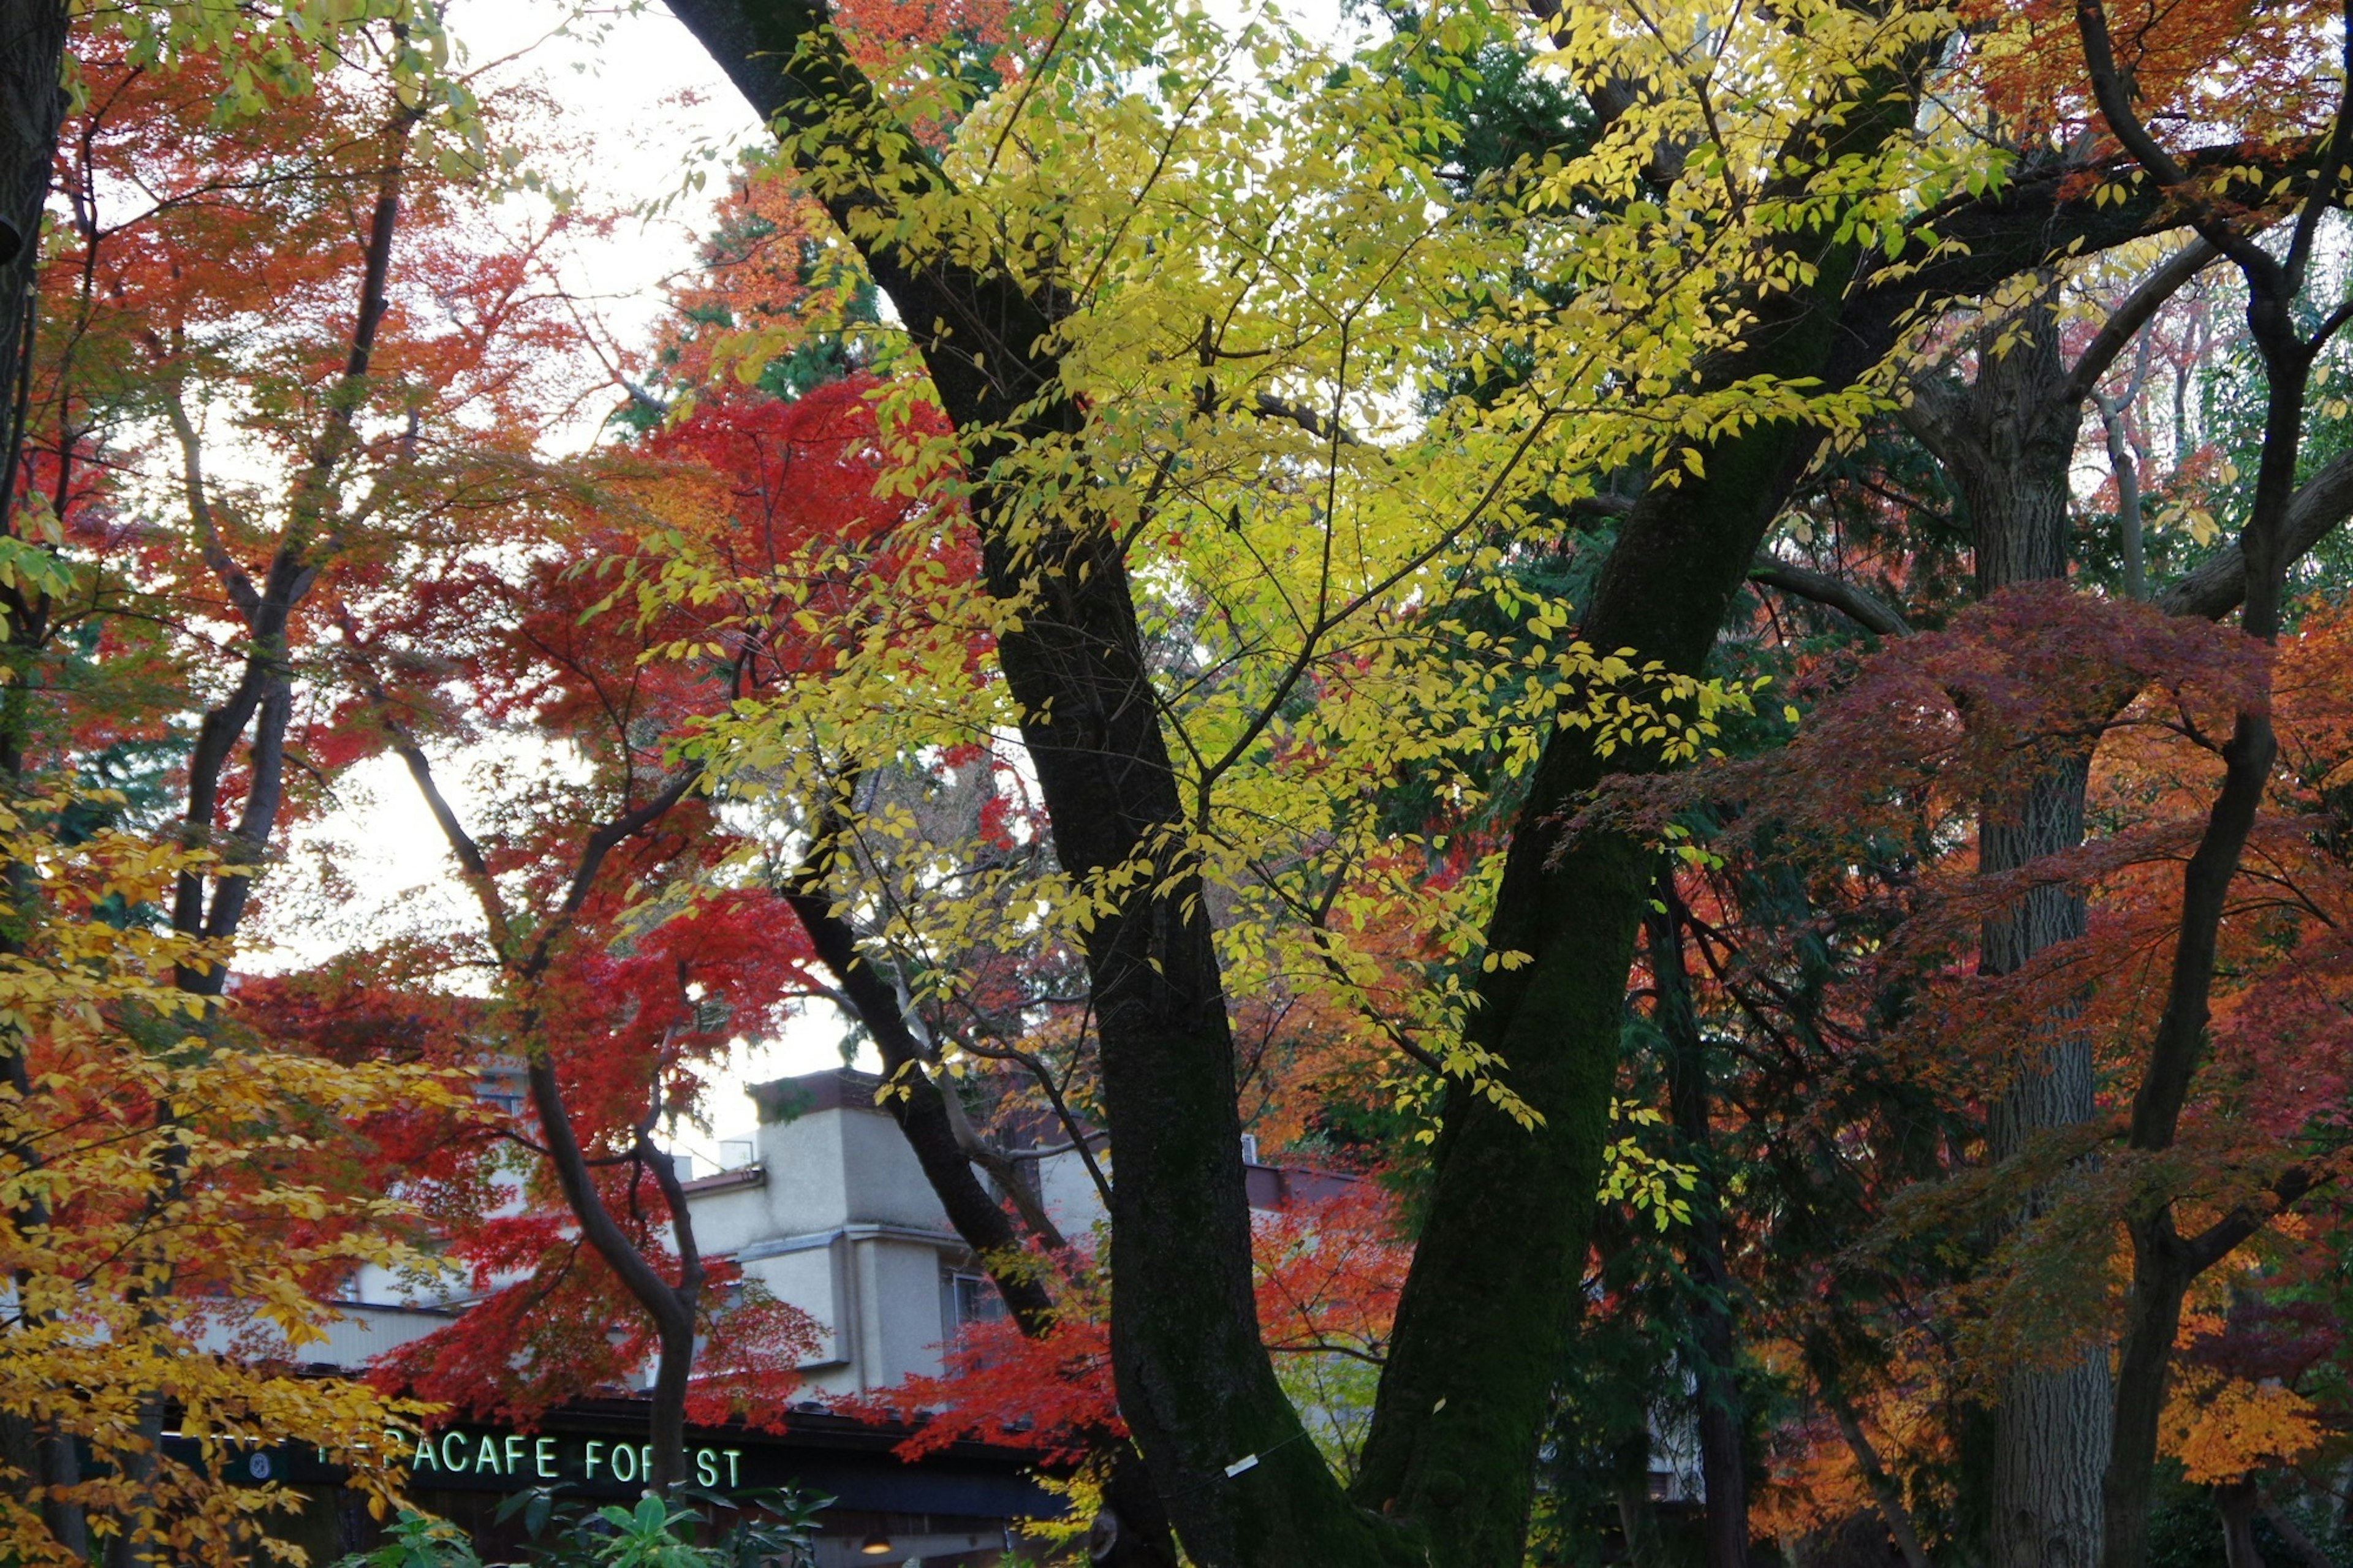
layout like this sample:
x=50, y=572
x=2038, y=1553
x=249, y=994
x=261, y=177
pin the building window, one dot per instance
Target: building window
x=973, y=1300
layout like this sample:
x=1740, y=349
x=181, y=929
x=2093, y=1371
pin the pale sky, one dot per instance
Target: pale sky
x=640, y=108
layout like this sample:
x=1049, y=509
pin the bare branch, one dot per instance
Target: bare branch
x=234, y=578
x=1851, y=602
x=1307, y=419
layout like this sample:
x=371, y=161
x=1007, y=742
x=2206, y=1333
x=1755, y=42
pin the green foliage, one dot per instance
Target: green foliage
x=773, y=1528
x=417, y=1541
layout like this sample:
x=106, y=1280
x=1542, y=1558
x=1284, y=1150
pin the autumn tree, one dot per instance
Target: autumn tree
x=167, y=1195
x=1003, y=318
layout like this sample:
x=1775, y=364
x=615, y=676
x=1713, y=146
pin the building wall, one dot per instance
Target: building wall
x=835, y=1217
x=839, y=1221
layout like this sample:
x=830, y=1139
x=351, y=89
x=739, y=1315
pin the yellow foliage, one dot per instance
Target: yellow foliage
x=1276, y=297
x=2222, y=1427
x=168, y=1217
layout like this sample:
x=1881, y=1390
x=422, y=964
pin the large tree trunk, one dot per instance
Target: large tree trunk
x=1480, y=1315
x=1483, y=1318
x=32, y=108
x=2007, y=443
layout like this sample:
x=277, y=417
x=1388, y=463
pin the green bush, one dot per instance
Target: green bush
x=656, y=1533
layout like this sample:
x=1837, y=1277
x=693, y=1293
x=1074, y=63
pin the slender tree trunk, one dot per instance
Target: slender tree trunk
x=672, y=1307
x=2125, y=462
x=1721, y=1419
x=2163, y=1266
x=2307, y=1551
x=2164, y=1263
x=1136, y=1533
x=674, y=1364
x=921, y=1108
x=2234, y=1504
x=263, y=700
x=1883, y=1488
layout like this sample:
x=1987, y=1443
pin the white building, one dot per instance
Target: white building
x=833, y=1214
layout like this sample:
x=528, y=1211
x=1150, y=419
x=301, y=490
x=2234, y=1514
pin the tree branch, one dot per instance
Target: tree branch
x=234, y=578
x=1317, y=425
x=1853, y=603
x=2125, y=323
x=1875, y=1476
x=2319, y=505
x=915, y=1103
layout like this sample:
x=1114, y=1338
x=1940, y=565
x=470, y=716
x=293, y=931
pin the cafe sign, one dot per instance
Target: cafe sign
x=472, y=1458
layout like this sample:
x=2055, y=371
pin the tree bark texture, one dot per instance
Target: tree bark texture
x=2054, y=1424
x=32, y=108
x=1485, y=1311
x=2007, y=443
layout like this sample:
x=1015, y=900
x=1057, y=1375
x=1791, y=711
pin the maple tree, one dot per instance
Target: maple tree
x=626, y=946
x=175, y=1195
x=1326, y=1273
x=2025, y=393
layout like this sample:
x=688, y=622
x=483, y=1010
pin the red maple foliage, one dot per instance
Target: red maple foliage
x=1328, y=1269
x=626, y=940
